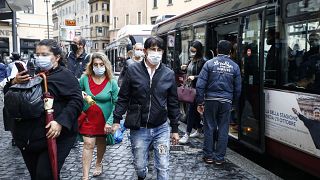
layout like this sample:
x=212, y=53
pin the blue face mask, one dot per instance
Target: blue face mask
x=99, y=71
x=44, y=63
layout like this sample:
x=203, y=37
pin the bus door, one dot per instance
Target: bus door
x=227, y=29
x=251, y=105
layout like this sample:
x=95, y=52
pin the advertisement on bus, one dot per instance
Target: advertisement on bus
x=294, y=119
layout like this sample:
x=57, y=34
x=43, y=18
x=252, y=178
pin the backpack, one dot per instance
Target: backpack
x=27, y=98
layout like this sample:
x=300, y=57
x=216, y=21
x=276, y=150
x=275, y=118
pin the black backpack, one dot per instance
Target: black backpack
x=24, y=101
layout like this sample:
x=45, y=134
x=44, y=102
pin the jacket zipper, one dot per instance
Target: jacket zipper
x=149, y=104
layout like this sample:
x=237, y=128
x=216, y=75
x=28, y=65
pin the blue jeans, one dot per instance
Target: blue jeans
x=141, y=140
x=216, y=129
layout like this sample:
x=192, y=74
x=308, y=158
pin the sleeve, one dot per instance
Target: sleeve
x=70, y=91
x=200, y=67
x=202, y=83
x=81, y=82
x=123, y=98
x=114, y=97
x=237, y=87
x=173, y=105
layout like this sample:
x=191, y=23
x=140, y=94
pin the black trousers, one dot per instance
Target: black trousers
x=194, y=118
x=38, y=163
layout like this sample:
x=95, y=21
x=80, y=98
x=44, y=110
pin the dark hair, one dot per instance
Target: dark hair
x=82, y=41
x=154, y=41
x=224, y=47
x=129, y=47
x=54, y=47
x=198, y=46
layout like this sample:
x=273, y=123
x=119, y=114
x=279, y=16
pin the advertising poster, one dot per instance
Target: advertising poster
x=293, y=119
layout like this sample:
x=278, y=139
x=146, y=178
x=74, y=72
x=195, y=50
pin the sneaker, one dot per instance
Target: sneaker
x=208, y=160
x=184, y=139
x=195, y=134
x=220, y=162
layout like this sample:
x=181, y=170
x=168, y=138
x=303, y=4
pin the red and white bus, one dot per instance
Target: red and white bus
x=276, y=44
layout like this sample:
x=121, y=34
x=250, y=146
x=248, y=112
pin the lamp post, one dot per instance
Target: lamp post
x=47, y=2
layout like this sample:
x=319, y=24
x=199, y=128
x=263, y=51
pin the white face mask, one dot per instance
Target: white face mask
x=138, y=53
x=154, y=57
x=99, y=71
x=192, y=54
x=44, y=63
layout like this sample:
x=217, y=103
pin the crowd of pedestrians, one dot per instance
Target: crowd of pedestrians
x=88, y=104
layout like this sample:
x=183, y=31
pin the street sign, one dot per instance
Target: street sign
x=67, y=33
x=78, y=33
x=69, y=22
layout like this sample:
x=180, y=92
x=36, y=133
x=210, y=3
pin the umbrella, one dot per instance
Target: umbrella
x=52, y=145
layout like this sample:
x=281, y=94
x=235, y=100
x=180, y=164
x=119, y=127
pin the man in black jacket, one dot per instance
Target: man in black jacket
x=313, y=126
x=152, y=86
x=77, y=58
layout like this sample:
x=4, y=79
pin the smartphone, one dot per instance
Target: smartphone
x=19, y=67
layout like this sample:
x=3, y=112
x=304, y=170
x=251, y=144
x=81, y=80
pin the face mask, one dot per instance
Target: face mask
x=154, y=57
x=44, y=63
x=74, y=48
x=138, y=53
x=192, y=54
x=99, y=71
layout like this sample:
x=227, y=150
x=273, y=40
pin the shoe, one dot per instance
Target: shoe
x=195, y=134
x=98, y=170
x=219, y=162
x=184, y=139
x=208, y=160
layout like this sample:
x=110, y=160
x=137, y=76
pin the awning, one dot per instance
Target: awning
x=8, y=5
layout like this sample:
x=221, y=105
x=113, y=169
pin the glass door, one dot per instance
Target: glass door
x=251, y=112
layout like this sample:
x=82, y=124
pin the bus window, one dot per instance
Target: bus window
x=302, y=56
x=200, y=34
x=271, y=50
x=186, y=39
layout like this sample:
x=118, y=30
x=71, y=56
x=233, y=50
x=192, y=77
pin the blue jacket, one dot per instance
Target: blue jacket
x=219, y=80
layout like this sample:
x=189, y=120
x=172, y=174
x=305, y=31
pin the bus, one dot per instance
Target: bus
x=276, y=45
x=117, y=50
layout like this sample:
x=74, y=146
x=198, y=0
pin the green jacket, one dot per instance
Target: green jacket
x=105, y=100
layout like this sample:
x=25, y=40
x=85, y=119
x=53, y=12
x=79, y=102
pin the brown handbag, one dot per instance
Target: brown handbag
x=186, y=94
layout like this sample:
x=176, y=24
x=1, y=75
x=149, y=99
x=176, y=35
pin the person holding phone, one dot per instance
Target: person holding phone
x=30, y=134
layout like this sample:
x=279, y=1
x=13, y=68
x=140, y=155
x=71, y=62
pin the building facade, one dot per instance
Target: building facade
x=156, y=8
x=71, y=18
x=99, y=24
x=31, y=28
x=135, y=13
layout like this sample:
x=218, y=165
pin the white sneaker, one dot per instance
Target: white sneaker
x=195, y=134
x=184, y=139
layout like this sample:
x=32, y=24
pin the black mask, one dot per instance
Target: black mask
x=74, y=48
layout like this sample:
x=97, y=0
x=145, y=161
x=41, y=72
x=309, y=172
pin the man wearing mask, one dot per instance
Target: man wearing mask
x=77, y=58
x=138, y=56
x=150, y=86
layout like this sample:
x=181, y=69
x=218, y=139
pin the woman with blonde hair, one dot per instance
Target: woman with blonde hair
x=98, y=86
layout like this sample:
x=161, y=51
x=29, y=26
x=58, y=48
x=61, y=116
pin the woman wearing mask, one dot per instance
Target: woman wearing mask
x=193, y=68
x=97, y=82
x=30, y=134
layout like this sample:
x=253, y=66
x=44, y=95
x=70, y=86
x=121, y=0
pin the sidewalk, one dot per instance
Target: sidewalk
x=185, y=163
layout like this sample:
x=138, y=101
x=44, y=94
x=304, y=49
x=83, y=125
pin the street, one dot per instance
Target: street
x=185, y=163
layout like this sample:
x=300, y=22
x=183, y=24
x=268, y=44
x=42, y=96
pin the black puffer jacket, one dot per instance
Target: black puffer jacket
x=158, y=98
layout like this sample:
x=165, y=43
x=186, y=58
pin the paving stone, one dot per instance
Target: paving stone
x=118, y=163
